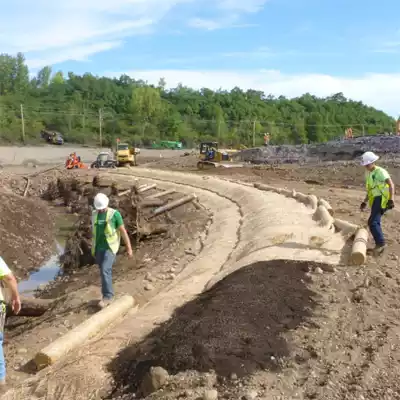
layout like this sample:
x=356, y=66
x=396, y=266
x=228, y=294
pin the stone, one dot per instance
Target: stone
x=250, y=395
x=318, y=271
x=22, y=351
x=210, y=395
x=156, y=378
x=148, y=287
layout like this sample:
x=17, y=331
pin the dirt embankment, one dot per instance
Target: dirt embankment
x=27, y=231
x=158, y=258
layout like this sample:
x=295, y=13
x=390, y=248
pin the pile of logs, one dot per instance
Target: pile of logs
x=142, y=214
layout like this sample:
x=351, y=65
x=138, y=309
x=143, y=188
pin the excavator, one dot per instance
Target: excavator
x=74, y=161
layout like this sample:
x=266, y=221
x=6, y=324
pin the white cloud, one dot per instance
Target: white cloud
x=47, y=27
x=378, y=90
x=77, y=53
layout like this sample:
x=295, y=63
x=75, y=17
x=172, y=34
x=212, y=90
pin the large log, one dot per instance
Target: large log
x=83, y=332
x=161, y=194
x=32, y=307
x=323, y=202
x=145, y=188
x=173, y=204
x=345, y=227
x=359, y=249
x=323, y=217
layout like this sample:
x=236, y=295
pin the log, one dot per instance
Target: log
x=161, y=194
x=359, y=249
x=301, y=197
x=151, y=202
x=345, y=227
x=83, y=332
x=32, y=307
x=123, y=193
x=323, y=217
x=173, y=204
x=28, y=183
x=313, y=201
x=322, y=202
x=145, y=188
x=266, y=188
x=285, y=192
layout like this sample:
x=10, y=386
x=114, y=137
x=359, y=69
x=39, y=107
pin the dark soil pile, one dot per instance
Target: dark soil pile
x=234, y=328
x=26, y=230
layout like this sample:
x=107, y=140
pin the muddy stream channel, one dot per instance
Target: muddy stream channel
x=64, y=226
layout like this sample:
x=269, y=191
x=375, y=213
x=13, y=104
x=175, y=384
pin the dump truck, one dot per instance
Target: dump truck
x=125, y=154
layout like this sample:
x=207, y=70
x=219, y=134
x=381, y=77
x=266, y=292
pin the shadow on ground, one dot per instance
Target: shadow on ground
x=235, y=327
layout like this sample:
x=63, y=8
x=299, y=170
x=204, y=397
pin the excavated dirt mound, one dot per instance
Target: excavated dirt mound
x=26, y=231
x=234, y=328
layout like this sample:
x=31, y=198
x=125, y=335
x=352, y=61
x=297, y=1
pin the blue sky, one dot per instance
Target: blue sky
x=284, y=47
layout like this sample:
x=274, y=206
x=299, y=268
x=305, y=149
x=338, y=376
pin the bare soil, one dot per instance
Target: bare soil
x=278, y=332
x=157, y=261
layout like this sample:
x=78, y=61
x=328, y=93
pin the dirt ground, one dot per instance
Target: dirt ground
x=157, y=261
x=270, y=331
x=241, y=338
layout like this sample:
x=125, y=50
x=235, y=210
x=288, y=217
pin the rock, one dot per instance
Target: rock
x=155, y=379
x=367, y=282
x=148, y=287
x=22, y=351
x=250, y=395
x=210, y=395
x=209, y=380
x=233, y=377
x=318, y=271
x=149, y=277
x=171, y=276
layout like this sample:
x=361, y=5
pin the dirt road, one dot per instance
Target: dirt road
x=43, y=155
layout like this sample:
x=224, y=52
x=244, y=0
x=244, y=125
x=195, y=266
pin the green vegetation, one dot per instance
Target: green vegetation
x=87, y=109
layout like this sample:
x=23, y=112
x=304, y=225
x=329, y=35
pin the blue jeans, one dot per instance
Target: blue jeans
x=2, y=359
x=105, y=260
x=374, y=221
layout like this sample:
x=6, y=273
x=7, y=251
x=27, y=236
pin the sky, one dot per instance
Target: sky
x=282, y=47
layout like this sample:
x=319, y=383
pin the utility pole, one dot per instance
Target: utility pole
x=363, y=130
x=100, y=127
x=23, y=123
x=254, y=133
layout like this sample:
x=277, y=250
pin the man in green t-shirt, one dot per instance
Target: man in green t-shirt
x=380, y=197
x=7, y=283
x=107, y=229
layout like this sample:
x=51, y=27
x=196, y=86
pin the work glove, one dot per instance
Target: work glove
x=390, y=204
x=363, y=206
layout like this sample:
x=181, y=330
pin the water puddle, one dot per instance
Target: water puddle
x=51, y=269
x=48, y=272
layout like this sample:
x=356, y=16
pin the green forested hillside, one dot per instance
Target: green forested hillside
x=78, y=105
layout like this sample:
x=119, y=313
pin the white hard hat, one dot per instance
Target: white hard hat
x=368, y=158
x=101, y=201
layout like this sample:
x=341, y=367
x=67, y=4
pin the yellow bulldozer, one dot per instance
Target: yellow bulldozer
x=125, y=155
x=211, y=156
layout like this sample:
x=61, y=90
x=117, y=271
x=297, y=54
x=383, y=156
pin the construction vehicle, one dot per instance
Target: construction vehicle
x=104, y=160
x=167, y=144
x=210, y=156
x=74, y=161
x=125, y=154
x=52, y=137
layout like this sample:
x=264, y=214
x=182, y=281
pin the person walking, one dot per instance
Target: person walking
x=380, y=197
x=107, y=229
x=8, y=293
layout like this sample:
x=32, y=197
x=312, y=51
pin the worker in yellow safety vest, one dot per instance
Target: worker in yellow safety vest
x=107, y=229
x=380, y=197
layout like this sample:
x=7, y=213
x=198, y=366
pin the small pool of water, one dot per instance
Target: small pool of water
x=51, y=269
x=48, y=272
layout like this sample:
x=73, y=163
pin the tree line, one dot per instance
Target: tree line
x=86, y=107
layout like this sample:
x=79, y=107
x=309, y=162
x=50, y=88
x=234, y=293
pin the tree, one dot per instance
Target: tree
x=141, y=113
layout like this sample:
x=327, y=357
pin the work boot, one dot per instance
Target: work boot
x=379, y=249
x=105, y=302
